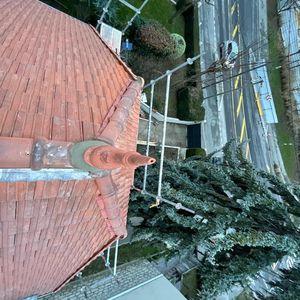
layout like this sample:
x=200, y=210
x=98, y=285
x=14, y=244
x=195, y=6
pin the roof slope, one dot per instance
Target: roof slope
x=54, y=81
x=58, y=80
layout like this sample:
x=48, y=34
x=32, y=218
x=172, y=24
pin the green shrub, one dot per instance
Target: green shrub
x=153, y=37
x=180, y=45
x=189, y=106
x=197, y=151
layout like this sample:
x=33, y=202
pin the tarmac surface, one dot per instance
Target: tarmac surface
x=230, y=101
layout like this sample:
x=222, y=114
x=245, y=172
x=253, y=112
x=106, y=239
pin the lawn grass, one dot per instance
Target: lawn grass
x=150, y=66
x=159, y=10
x=127, y=253
x=284, y=133
x=189, y=284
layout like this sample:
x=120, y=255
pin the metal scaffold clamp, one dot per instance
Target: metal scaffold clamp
x=178, y=206
x=156, y=203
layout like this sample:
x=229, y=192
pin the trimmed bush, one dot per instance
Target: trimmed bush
x=180, y=45
x=197, y=151
x=153, y=37
x=189, y=104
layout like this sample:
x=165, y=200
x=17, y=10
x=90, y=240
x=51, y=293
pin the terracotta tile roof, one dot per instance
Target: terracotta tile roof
x=54, y=80
x=59, y=81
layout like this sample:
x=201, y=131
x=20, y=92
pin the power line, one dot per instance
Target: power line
x=209, y=82
x=247, y=71
x=254, y=46
x=288, y=5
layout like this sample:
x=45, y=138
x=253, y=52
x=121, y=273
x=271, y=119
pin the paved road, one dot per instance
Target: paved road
x=211, y=130
x=240, y=21
x=245, y=22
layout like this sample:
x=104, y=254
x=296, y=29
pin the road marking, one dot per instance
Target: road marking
x=236, y=83
x=247, y=151
x=235, y=31
x=233, y=7
x=243, y=130
x=258, y=104
x=239, y=105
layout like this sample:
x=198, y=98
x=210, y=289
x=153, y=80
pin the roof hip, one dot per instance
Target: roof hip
x=109, y=207
x=116, y=123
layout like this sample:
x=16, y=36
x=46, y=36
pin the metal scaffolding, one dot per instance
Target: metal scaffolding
x=116, y=257
x=127, y=4
x=158, y=197
x=105, y=10
x=106, y=259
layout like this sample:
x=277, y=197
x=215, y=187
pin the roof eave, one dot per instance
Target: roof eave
x=126, y=68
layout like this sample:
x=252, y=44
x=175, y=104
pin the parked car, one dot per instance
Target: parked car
x=228, y=53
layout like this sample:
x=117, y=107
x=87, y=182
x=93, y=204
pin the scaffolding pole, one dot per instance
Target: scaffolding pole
x=189, y=61
x=105, y=10
x=116, y=257
x=107, y=264
x=158, y=197
x=169, y=74
x=148, y=134
x=129, y=5
x=137, y=12
x=177, y=205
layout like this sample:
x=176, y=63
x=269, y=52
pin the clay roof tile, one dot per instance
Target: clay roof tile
x=60, y=82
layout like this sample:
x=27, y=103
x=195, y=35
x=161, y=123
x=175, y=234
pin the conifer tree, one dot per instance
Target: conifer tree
x=244, y=218
x=287, y=286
